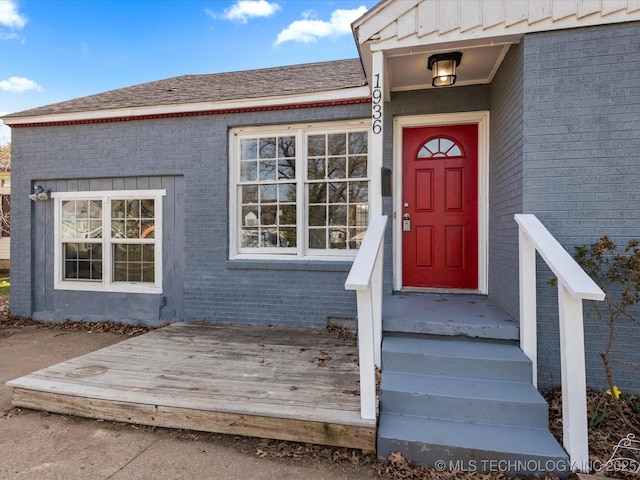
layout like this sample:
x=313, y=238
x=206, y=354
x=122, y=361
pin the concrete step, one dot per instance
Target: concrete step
x=463, y=400
x=454, y=357
x=447, y=314
x=471, y=447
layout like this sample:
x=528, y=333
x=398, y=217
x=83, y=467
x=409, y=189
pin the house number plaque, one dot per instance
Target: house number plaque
x=376, y=106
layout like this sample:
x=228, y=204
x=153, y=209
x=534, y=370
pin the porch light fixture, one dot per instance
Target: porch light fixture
x=39, y=193
x=443, y=66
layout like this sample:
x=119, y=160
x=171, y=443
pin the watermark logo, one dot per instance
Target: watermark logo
x=625, y=457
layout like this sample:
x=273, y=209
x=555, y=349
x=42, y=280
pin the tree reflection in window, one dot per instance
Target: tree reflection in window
x=338, y=190
x=268, y=192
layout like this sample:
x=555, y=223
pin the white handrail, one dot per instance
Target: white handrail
x=365, y=277
x=574, y=286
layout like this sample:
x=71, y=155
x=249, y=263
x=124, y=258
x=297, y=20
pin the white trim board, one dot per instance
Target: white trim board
x=481, y=118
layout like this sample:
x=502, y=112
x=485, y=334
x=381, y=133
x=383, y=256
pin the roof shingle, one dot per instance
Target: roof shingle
x=218, y=87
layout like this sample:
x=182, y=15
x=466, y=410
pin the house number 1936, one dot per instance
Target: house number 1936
x=376, y=108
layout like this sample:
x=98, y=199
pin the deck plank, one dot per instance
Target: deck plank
x=288, y=384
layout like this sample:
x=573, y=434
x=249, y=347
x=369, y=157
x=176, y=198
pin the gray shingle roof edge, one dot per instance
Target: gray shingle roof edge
x=291, y=80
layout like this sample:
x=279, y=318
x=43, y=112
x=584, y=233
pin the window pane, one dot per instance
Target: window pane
x=287, y=215
x=356, y=235
x=269, y=237
x=147, y=208
x=289, y=237
x=317, y=215
x=249, y=194
x=81, y=219
x=117, y=229
x=267, y=148
x=338, y=238
x=317, y=238
x=268, y=193
x=315, y=168
x=359, y=192
x=316, y=145
x=132, y=229
x=268, y=214
x=338, y=215
x=287, y=192
x=148, y=229
x=248, y=171
x=250, y=216
x=249, y=238
x=318, y=193
x=286, y=147
x=248, y=149
x=337, y=167
x=82, y=261
x=359, y=215
x=131, y=265
x=357, y=167
x=357, y=143
x=287, y=169
x=337, y=143
x=117, y=208
x=267, y=170
x=338, y=192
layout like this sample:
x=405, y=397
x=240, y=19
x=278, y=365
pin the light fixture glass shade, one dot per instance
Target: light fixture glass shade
x=443, y=67
x=444, y=73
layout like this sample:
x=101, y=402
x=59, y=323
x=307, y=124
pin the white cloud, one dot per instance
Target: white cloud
x=19, y=85
x=243, y=10
x=9, y=16
x=310, y=29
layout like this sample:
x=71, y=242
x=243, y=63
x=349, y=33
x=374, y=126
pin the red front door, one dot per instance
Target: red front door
x=440, y=202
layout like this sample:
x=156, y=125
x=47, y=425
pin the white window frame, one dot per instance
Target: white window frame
x=301, y=132
x=107, y=284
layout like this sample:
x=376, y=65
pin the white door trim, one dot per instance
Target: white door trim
x=480, y=118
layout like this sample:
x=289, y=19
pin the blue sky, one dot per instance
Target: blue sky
x=56, y=50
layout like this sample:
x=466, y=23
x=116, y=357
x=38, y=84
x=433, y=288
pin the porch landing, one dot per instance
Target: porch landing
x=447, y=314
x=288, y=384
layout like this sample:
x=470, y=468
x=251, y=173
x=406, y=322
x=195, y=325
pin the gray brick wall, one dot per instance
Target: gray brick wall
x=505, y=180
x=194, y=149
x=582, y=165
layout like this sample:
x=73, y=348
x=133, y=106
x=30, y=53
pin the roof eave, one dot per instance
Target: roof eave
x=186, y=108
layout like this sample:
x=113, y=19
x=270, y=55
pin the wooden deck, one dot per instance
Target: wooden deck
x=287, y=384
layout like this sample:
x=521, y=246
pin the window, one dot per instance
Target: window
x=440, y=147
x=109, y=241
x=300, y=192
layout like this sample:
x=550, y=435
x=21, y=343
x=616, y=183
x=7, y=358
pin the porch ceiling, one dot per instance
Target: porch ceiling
x=407, y=70
x=409, y=31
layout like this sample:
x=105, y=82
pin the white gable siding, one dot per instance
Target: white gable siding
x=406, y=23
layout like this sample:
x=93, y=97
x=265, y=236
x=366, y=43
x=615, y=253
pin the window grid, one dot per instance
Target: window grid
x=440, y=147
x=129, y=247
x=338, y=190
x=268, y=192
x=319, y=205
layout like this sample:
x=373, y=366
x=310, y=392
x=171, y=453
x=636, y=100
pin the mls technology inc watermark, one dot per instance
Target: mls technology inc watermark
x=625, y=458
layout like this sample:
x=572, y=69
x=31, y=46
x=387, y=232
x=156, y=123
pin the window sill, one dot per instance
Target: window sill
x=295, y=265
x=114, y=287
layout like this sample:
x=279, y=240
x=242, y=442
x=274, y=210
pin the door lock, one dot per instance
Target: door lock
x=406, y=222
